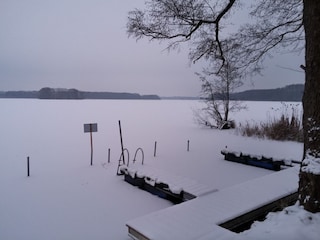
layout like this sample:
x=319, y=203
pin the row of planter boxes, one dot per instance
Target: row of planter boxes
x=162, y=190
x=263, y=162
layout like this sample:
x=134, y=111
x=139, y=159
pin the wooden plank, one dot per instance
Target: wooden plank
x=236, y=224
x=203, y=216
x=136, y=235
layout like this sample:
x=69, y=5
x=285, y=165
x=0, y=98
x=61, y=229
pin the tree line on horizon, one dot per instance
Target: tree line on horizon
x=292, y=92
x=63, y=93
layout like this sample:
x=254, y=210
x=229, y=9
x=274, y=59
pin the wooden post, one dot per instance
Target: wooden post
x=91, y=144
x=155, y=149
x=188, y=145
x=121, y=143
x=28, y=167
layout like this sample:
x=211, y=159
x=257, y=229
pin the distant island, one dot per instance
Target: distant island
x=63, y=93
x=288, y=93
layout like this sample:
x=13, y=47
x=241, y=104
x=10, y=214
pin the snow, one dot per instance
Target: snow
x=259, y=157
x=66, y=198
x=175, y=182
x=291, y=223
x=311, y=164
x=196, y=217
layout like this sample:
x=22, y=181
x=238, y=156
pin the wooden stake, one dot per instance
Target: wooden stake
x=28, y=167
x=121, y=143
x=91, y=145
x=155, y=149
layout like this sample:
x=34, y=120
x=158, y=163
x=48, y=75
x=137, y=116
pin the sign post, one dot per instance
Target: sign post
x=91, y=127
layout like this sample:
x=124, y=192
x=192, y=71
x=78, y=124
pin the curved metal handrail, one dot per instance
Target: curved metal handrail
x=122, y=159
x=142, y=155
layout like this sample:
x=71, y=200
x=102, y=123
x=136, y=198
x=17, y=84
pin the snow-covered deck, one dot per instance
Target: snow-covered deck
x=176, y=183
x=198, y=219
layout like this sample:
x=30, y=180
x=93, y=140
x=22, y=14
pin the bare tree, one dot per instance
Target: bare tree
x=278, y=24
x=216, y=89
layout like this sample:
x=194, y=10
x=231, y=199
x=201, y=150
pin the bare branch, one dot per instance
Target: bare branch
x=278, y=23
x=218, y=19
x=180, y=21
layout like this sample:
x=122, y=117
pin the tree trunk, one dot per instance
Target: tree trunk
x=309, y=184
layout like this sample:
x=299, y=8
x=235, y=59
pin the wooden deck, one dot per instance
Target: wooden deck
x=176, y=189
x=203, y=217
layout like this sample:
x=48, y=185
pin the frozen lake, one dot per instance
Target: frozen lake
x=66, y=198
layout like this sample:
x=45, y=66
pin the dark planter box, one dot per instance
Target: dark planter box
x=261, y=164
x=155, y=191
x=139, y=182
x=233, y=158
x=165, y=194
x=264, y=162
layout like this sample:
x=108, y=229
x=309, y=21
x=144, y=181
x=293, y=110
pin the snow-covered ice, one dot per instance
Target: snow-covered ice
x=66, y=198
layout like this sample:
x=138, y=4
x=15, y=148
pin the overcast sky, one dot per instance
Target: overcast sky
x=83, y=44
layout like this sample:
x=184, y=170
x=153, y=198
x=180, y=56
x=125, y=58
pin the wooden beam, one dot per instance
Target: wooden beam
x=134, y=234
x=236, y=224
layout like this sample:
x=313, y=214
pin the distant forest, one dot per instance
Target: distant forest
x=62, y=93
x=288, y=93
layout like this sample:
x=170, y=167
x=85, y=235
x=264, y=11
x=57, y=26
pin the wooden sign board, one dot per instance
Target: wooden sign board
x=90, y=127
